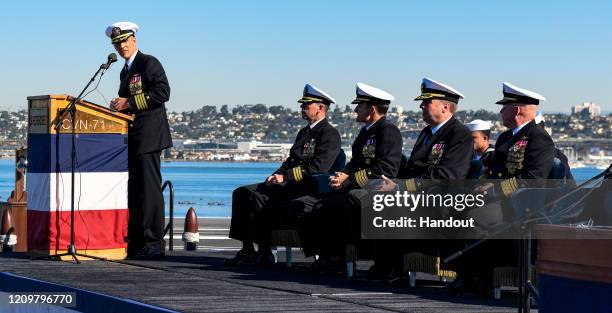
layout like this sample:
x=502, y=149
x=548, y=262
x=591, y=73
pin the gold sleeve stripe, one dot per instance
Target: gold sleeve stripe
x=357, y=178
x=364, y=176
x=411, y=185
x=361, y=177
x=138, y=102
x=297, y=173
x=294, y=174
x=144, y=101
x=141, y=102
x=509, y=186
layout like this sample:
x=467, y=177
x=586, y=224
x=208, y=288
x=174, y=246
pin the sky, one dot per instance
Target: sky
x=248, y=52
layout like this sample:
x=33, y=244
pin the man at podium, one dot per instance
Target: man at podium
x=143, y=91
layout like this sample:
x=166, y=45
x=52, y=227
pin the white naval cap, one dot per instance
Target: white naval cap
x=314, y=94
x=431, y=89
x=539, y=118
x=479, y=125
x=367, y=93
x=514, y=94
x=121, y=31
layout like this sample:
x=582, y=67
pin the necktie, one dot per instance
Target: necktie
x=428, y=135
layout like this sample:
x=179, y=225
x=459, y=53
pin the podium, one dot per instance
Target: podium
x=101, y=178
x=575, y=270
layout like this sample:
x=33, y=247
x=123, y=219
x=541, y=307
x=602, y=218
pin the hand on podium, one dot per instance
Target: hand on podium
x=119, y=104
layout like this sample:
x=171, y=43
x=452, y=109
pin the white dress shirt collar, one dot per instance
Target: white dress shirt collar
x=313, y=124
x=518, y=128
x=131, y=60
x=437, y=127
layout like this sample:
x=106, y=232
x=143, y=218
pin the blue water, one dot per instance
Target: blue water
x=208, y=186
x=202, y=182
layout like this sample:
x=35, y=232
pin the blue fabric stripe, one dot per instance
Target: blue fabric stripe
x=558, y=294
x=86, y=301
x=50, y=153
x=38, y=186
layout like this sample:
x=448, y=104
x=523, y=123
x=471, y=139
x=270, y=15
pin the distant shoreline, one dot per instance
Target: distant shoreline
x=183, y=160
x=220, y=161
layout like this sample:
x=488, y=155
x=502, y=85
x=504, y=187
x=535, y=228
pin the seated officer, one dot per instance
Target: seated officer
x=326, y=224
x=525, y=151
x=443, y=149
x=442, y=152
x=314, y=151
x=483, y=150
x=523, y=157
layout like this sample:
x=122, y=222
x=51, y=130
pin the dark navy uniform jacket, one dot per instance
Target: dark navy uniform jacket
x=146, y=87
x=522, y=157
x=487, y=157
x=447, y=155
x=376, y=151
x=313, y=152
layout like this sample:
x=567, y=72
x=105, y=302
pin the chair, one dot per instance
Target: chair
x=289, y=238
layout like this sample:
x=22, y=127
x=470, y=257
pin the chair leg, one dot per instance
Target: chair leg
x=412, y=278
x=349, y=269
x=288, y=257
x=497, y=293
x=275, y=254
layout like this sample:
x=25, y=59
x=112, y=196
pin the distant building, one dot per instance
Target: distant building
x=397, y=109
x=590, y=107
x=259, y=147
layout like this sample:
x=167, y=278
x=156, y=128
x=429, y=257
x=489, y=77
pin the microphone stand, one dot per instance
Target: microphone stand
x=526, y=288
x=71, y=109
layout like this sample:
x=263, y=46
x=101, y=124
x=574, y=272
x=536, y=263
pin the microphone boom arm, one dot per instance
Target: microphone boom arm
x=71, y=108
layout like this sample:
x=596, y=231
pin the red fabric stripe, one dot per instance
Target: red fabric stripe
x=95, y=229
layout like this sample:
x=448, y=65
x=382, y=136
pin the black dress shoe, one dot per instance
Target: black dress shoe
x=383, y=273
x=470, y=284
x=242, y=257
x=456, y=287
x=265, y=259
x=327, y=265
x=148, y=253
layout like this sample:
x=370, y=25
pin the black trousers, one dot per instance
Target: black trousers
x=482, y=259
x=145, y=202
x=492, y=253
x=325, y=223
x=258, y=209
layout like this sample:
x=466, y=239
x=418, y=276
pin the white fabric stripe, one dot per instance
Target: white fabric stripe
x=93, y=191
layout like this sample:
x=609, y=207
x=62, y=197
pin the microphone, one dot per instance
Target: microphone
x=111, y=59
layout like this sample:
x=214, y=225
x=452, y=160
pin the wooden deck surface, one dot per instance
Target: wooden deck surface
x=197, y=281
